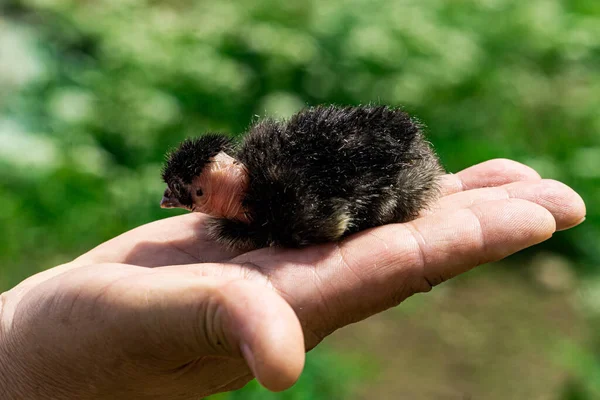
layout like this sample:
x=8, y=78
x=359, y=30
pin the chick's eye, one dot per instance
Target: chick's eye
x=199, y=192
x=176, y=189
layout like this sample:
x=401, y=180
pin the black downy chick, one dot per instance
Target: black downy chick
x=325, y=173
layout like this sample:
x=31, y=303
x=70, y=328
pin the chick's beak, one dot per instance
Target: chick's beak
x=169, y=202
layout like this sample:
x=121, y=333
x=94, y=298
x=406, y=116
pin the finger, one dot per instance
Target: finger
x=271, y=338
x=378, y=268
x=176, y=240
x=449, y=245
x=180, y=317
x=410, y=258
x=564, y=203
x=230, y=318
x=487, y=174
x=433, y=249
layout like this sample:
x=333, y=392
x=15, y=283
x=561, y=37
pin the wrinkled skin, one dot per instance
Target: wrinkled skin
x=161, y=313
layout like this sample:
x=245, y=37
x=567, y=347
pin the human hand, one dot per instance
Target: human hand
x=161, y=312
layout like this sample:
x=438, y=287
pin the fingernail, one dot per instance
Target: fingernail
x=249, y=357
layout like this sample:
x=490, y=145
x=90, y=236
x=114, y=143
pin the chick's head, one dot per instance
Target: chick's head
x=202, y=177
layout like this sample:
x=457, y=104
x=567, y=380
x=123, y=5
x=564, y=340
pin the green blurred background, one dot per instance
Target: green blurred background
x=92, y=93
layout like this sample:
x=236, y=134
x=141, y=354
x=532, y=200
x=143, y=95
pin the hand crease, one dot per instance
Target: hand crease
x=461, y=184
x=219, y=388
x=102, y=291
x=251, y=270
x=325, y=314
x=345, y=263
x=482, y=241
x=420, y=242
x=183, y=250
x=456, y=182
x=385, y=244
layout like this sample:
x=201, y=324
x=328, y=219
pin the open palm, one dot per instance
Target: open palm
x=163, y=312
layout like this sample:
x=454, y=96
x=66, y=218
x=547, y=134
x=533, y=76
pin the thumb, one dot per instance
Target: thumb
x=191, y=316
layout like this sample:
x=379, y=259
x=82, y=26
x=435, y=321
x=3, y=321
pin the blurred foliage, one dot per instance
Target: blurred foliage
x=93, y=93
x=325, y=377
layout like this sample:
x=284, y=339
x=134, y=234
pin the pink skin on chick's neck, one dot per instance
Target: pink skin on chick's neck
x=223, y=183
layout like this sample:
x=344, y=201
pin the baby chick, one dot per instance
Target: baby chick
x=325, y=173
